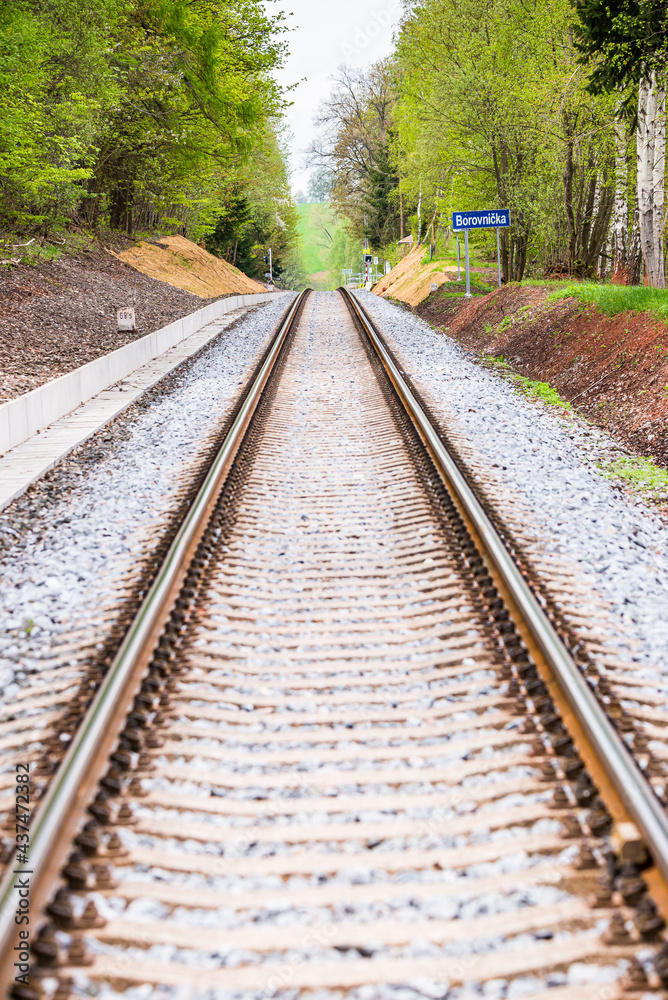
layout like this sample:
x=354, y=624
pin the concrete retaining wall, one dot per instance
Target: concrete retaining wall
x=22, y=417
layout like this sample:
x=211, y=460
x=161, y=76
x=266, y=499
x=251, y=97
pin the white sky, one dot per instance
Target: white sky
x=327, y=34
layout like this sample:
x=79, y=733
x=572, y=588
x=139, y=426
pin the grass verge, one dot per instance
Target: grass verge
x=615, y=299
x=526, y=386
x=643, y=475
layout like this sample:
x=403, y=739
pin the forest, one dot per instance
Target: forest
x=554, y=109
x=147, y=116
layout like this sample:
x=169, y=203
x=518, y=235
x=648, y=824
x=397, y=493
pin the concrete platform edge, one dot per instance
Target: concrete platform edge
x=30, y=413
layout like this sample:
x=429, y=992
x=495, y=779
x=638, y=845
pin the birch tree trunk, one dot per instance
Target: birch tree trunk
x=659, y=177
x=651, y=147
x=419, y=215
x=620, y=214
x=595, y=257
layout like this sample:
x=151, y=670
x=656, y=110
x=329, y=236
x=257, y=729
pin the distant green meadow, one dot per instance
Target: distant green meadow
x=311, y=219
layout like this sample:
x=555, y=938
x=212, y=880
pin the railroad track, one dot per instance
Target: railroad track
x=342, y=751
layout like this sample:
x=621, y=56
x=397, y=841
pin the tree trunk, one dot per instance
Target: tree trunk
x=634, y=266
x=651, y=151
x=419, y=215
x=602, y=266
x=122, y=199
x=600, y=223
x=568, y=203
x=620, y=215
x=519, y=243
x=659, y=177
x=117, y=208
x=587, y=213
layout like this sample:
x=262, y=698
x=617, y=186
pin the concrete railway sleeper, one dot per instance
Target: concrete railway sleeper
x=336, y=756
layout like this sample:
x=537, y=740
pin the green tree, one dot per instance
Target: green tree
x=55, y=83
x=255, y=213
x=492, y=112
x=133, y=112
x=197, y=95
x=355, y=135
x=625, y=45
x=622, y=40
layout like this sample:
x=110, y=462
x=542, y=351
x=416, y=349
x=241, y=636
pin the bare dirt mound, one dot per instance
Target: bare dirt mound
x=612, y=369
x=56, y=315
x=410, y=281
x=182, y=264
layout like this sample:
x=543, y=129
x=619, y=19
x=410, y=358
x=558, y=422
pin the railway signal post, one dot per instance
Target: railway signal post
x=368, y=261
x=270, y=273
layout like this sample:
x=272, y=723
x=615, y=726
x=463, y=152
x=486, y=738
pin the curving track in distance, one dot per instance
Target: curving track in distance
x=342, y=751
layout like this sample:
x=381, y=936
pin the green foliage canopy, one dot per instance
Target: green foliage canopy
x=492, y=112
x=137, y=112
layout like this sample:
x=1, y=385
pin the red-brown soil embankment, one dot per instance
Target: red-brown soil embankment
x=612, y=369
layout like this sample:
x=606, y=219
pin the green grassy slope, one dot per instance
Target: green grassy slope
x=615, y=299
x=309, y=225
x=317, y=226
x=327, y=246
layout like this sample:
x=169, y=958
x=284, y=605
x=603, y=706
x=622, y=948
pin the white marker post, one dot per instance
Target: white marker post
x=125, y=320
x=459, y=267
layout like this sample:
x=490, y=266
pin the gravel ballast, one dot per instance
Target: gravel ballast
x=549, y=461
x=410, y=821
x=93, y=522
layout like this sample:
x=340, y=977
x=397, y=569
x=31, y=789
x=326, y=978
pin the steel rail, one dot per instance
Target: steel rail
x=80, y=769
x=632, y=787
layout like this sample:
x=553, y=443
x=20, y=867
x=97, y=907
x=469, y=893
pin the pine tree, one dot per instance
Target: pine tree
x=382, y=182
x=626, y=40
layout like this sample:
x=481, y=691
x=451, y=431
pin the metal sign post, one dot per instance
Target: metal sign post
x=468, y=269
x=489, y=219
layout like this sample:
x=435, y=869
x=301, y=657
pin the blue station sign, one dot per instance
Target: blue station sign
x=491, y=219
